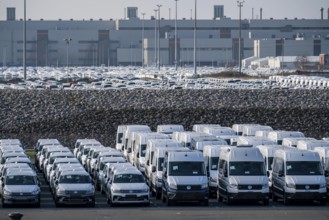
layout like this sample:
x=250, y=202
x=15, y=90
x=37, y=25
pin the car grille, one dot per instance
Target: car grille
x=312, y=186
x=75, y=192
x=21, y=194
x=250, y=187
x=188, y=187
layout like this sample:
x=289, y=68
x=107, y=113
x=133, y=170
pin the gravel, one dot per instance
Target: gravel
x=69, y=115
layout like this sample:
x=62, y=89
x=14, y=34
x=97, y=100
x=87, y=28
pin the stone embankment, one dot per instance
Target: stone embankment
x=69, y=115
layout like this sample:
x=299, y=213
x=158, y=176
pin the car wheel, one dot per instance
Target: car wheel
x=157, y=194
x=219, y=198
x=322, y=202
x=169, y=202
x=274, y=197
x=163, y=198
x=4, y=205
x=286, y=201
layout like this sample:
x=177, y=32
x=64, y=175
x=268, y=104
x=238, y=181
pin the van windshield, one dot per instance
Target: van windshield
x=214, y=163
x=245, y=168
x=186, y=168
x=304, y=168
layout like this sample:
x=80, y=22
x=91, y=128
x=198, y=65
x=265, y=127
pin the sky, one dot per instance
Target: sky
x=114, y=9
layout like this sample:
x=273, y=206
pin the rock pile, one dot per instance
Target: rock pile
x=69, y=115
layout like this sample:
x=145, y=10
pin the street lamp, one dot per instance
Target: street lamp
x=159, y=19
x=155, y=38
x=143, y=14
x=195, y=17
x=176, y=36
x=240, y=5
x=67, y=41
x=24, y=39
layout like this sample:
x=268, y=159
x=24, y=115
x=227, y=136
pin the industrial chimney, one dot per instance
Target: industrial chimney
x=321, y=13
x=261, y=14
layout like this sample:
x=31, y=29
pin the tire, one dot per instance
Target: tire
x=286, y=201
x=205, y=202
x=157, y=194
x=322, y=202
x=168, y=202
x=3, y=204
x=163, y=199
x=108, y=200
x=228, y=200
x=219, y=197
x=274, y=197
x=266, y=202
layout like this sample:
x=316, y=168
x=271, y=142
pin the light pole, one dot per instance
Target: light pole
x=240, y=5
x=24, y=39
x=159, y=19
x=176, y=36
x=155, y=38
x=143, y=14
x=67, y=41
x=195, y=17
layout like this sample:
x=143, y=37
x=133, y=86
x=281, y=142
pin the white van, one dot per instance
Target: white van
x=197, y=143
x=150, y=148
x=238, y=128
x=323, y=153
x=218, y=131
x=298, y=175
x=169, y=129
x=311, y=144
x=185, y=137
x=242, y=175
x=250, y=130
x=211, y=157
x=132, y=128
x=184, y=178
x=200, y=127
x=119, y=137
x=261, y=133
x=254, y=141
x=277, y=136
x=155, y=180
x=140, y=147
x=292, y=141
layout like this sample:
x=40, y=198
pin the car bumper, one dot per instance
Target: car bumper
x=119, y=198
x=248, y=196
x=306, y=196
x=188, y=195
x=21, y=199
x=75, y=200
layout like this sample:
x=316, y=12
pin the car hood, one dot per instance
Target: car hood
x=188, y=180
x=21, y=188
x=129, y=186
x=243, y=180
x=82, y=186
x=301, y=180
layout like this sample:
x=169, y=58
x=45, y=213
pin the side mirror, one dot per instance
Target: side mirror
x=225, y=173
x=326, y=173
x=129, y=150
x=56, y=182
x=137, y=155
x=268, y=173
x=208, y=173
x=281, y=173
x=153, y=169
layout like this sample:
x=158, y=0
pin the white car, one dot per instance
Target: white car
x=128, y=187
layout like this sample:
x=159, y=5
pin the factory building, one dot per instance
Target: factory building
x=121, y=42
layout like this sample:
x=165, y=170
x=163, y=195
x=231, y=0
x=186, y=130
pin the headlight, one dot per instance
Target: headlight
x=114, y=190
x=234, y=186
x=204, y=186
x=6, y=192
x=60, y=192
x=214, y=180
x=173, y=186
x=290, y=185
x=146, y=190
x=90, y=191
x=36, y=191
x=323, y=185
x=265, y=186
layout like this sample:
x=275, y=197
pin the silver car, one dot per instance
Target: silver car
x=128, y=187
x=74, y=188
x=21, y=187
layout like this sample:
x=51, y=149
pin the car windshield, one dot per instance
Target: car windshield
x=21, y=180
x=304, y=168
x=128, y=178
x=71, y=179
x=186, y=168
x=245, y=168
x=214, y=163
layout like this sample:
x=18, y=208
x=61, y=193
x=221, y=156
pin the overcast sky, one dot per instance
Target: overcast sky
x=106, y=9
